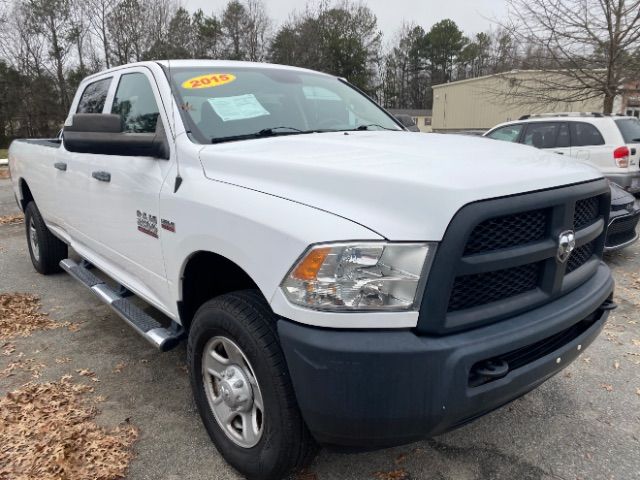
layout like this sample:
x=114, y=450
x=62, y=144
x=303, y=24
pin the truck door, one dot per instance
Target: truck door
x=124, y=192
x=72, y=168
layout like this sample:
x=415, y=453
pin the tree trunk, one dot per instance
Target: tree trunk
x=607, y=107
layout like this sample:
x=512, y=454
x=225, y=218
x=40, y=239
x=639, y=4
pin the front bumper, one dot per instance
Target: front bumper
x=629, y=181
x=372, y=389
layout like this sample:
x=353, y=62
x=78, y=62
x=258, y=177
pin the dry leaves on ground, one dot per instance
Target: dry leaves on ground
x=24, y=364
x=400, y=474
x=12, y=219
x=48, y=433
x=8, y=349
x=20, y=316
x=88, y=373
x=4, y=173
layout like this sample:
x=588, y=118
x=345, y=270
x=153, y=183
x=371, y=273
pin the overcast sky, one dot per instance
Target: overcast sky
x=472, y=16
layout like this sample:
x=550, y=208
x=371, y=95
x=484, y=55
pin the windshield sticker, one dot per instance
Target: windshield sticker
x=240, y=107
x=209, y=80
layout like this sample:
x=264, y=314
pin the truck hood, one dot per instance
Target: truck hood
x=403, y=186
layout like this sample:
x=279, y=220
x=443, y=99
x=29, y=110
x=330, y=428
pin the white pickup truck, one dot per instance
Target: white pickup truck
x=339, y=280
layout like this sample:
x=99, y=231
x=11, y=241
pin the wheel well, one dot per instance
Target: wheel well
x=208, y=275
x=27, y=196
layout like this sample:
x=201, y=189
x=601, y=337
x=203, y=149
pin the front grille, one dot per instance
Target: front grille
x=473, y=290
x=507, y=231
x=498, y=257
x=586, y=212
x=580, y=256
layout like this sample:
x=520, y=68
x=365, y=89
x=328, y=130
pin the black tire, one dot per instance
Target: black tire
x=286, y=444
x=50, y=249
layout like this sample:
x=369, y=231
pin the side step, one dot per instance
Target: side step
x=147, y=326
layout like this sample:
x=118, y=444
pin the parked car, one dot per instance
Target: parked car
x=333, y=284
x=625, y=211
x=623, y=220
x=609, y=143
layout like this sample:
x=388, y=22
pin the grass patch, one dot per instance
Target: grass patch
x=4, y=153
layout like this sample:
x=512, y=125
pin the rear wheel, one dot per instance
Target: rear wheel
x=45, y=249
x=242, y=389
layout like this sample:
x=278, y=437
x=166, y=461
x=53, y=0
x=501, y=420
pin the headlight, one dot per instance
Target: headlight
x=359, y=276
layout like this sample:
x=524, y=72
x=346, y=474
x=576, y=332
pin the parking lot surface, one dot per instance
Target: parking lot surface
x=582, y=424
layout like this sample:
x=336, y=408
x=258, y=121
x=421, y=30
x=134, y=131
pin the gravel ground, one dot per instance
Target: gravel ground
x=582, y=424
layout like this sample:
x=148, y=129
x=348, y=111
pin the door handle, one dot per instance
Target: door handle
x=60, y=166
x=559, y=153
x=101, y=176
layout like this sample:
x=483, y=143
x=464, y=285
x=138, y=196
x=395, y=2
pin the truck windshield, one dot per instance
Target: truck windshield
x=226, y=104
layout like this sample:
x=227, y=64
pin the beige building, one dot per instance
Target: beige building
x=480, y=103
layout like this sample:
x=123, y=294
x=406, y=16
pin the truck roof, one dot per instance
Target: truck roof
x=187, y=63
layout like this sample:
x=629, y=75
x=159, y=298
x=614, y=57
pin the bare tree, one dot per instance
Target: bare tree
x=52, y=19
x=98, y=13
x=589, y=48
x=258, y=30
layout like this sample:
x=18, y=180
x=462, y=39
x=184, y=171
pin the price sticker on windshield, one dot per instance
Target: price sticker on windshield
x=209, y=80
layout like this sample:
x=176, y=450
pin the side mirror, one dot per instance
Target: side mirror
x=100, y=133
x=407, y=122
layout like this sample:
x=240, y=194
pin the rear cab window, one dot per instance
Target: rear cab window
x=630, y=129
x=94, y=97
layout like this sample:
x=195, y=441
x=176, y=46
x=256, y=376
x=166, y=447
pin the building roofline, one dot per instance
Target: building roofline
x=502, y=74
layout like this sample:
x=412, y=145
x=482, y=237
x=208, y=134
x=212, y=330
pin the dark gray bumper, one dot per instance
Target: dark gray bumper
x=375, y=389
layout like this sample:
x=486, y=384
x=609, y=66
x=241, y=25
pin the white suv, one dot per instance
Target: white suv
x=610, y=143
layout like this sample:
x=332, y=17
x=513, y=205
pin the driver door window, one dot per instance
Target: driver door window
x=136, y=104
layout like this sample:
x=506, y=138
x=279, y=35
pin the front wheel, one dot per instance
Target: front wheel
x=242, y=389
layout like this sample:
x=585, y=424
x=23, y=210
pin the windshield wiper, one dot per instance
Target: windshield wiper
x=265, y=132
x=361, y=128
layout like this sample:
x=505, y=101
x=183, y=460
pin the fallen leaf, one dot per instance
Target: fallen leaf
x=12, y=219
x=400, y=474
x=119, y=367
x=607, y=387
x=400, y=458
x=88, y=373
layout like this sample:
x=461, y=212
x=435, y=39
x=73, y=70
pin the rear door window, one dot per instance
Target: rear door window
x=510, y=133
x=630, y=129
x=94, y=97
x=584, y=135
x=542, y=135
x=136, y=104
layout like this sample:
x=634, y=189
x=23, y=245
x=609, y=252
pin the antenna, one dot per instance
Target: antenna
x=173, y=130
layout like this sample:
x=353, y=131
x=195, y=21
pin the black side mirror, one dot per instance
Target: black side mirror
x=100, y=133
x=407, y=122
